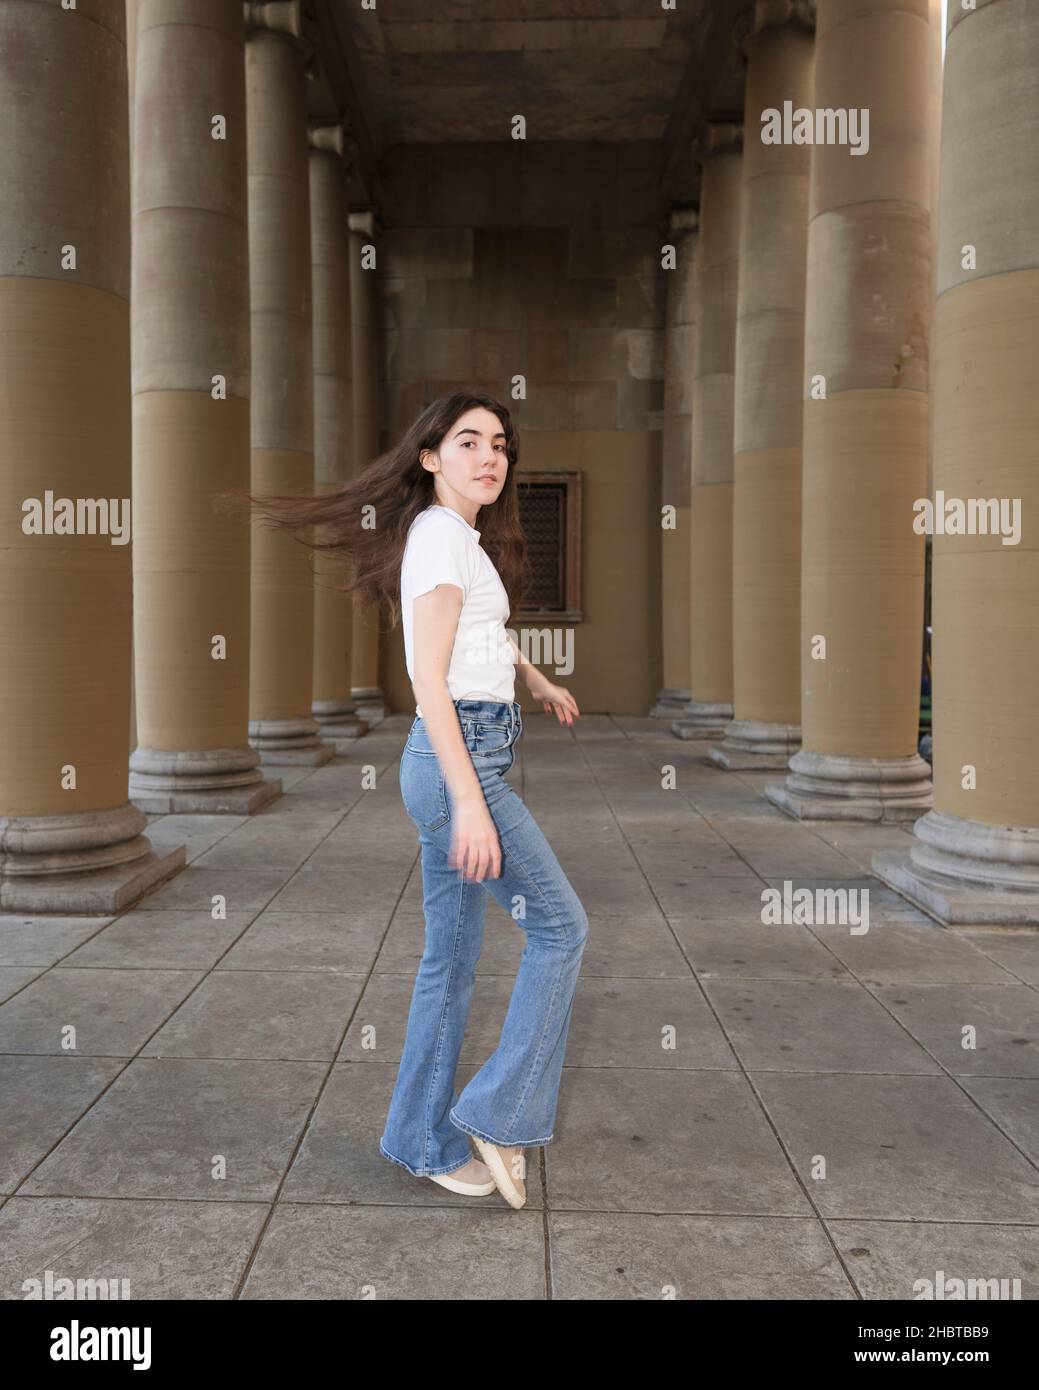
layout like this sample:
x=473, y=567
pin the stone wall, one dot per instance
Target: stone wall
x=543, y=261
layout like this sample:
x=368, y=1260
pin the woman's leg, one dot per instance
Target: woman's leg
x=511, y=1101
x=418, y=1134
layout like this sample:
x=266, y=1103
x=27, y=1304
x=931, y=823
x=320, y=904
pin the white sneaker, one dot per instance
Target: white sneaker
x=500, y=1163
x=473, y=1179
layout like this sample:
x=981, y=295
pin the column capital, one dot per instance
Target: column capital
x=771, y=15
x=366, y=221
x=683, y=219
x=276, y=16
x=332, y=137
x=720, y=136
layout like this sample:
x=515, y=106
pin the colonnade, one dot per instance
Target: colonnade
x=231, y=340
x=814, y=630
x=817, y=352
x=975, y=855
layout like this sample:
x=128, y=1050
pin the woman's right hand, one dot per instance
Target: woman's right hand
x=475, y=850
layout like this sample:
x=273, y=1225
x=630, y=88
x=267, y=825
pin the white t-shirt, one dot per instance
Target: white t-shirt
x=442, y=548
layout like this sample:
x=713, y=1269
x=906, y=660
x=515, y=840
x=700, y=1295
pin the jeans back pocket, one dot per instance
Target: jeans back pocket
x=423, y=789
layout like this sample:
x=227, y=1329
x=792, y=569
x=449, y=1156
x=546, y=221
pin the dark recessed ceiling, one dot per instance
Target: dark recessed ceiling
x=577, y=70
x=434, y=71
x=439, y=70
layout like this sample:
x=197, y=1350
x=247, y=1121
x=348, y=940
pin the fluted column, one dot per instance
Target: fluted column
x=366, y=691
x=70, y=839
x=190, y=362
x=710, y=501
x=333, y=707
x=766, y=529
x=679, y=346
x=865, y=424
x=281, y=724
x=975, y=856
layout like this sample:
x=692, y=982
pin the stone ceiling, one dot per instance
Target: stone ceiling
x=433, y=71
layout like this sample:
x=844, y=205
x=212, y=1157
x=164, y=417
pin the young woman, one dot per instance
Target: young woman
x=447, y=549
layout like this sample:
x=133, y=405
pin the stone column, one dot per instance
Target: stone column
x=766, y=529
x=936, y=32
x=281, y=724
x=333, y=419
x=371, y=701
x=934, y=88
x=190, y=361
x=865, y=423
x=131, y=74
x=679, y=346
x=71, y=840
x=710, y=503
x=975, y=857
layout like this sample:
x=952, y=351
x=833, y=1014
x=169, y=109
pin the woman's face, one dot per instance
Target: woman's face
x=473, y=464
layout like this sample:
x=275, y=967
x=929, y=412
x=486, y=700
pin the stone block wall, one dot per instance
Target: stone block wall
x=543, y=261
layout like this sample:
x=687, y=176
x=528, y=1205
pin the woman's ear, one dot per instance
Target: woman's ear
x=429, y=461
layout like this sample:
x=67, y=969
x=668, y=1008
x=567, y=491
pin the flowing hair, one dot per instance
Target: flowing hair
x=365, y=522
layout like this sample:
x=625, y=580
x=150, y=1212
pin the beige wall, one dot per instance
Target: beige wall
x=543, y=261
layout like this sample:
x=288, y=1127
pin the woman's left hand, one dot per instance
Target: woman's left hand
x=558, y=700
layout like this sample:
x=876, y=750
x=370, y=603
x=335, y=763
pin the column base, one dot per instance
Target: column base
x=749, y=744
x=670, y=703
x=207, y=781
x=370, y=703
x=338, y=719
x=82, y=862
x=703, y=719
x=822, y=786
x=966, y=872
x=291, y=742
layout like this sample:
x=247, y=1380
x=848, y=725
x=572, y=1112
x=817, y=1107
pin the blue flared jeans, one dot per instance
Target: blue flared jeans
x=511, y=1100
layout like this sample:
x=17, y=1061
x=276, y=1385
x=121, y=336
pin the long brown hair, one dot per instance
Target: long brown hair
x=365, y=522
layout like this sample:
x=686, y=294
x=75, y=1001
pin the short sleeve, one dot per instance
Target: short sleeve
x=438, y=552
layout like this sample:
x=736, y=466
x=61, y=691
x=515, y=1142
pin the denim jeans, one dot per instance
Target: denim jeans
x=511, y=1100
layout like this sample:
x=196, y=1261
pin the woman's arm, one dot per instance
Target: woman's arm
x=474, y=848
x=553, y=697
x=528, y=674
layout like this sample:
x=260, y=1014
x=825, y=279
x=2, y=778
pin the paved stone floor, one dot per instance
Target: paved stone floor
x=747, y=1110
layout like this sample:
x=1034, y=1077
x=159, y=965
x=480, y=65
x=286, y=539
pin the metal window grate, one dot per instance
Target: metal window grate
x=543, y=515
x=550, y=513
